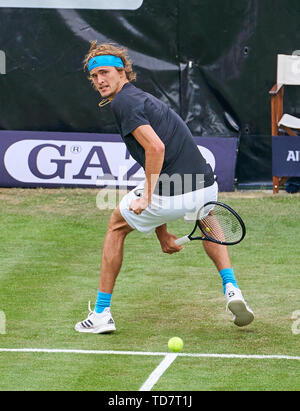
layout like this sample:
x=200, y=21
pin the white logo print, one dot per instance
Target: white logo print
x=2, y=62
x=74, y=4
x=296, y=323
x=70, y=162
x=2, y=323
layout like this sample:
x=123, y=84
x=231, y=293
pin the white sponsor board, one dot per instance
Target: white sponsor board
x=70, y=162
x=74, y=4
x=76, y=163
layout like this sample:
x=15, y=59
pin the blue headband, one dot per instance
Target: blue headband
x=99, y=61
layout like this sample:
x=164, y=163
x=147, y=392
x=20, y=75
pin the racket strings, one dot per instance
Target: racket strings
x=221, y=225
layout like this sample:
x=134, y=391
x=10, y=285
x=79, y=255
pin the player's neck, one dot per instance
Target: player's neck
x=119, y=88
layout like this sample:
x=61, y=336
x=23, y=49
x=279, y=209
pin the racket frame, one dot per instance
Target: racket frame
x=207, y=237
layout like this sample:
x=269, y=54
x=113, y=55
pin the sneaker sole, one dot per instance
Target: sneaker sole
x=242, y=314
x=99, y=330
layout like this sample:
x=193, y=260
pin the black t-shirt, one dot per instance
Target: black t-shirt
x=132, y=107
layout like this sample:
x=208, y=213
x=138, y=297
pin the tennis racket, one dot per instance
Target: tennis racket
x=218, y=223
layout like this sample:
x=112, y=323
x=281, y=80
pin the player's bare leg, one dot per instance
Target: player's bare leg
x=218, y=253
x=100, y=320
x=242, y=314
x=112, y=252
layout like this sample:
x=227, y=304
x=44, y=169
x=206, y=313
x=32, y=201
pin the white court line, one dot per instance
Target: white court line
x=161, y=368
x=158, y=372
x=157, y=354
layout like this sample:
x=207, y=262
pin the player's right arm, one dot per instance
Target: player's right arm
x=167, y=240
x=154, y=158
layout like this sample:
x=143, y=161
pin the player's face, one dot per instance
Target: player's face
x=108, y=81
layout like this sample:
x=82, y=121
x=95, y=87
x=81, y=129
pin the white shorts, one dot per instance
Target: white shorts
x=163, y=209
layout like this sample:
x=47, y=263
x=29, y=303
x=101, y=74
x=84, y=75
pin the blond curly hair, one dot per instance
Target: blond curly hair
x=110, y=49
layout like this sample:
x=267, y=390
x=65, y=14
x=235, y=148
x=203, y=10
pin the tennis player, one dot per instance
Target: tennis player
x=178, y=181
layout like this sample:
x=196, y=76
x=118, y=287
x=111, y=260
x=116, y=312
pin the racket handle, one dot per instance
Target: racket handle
x=182, y=240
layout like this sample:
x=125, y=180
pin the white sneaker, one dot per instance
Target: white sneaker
x=241, y=312
x=97, y=323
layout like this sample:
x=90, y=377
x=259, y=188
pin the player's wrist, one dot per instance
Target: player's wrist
x=145, y=199
x=162, y=233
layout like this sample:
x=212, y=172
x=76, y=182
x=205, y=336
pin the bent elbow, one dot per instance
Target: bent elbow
x=160, y=149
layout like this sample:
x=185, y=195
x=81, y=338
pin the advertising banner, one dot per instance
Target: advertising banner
x=74, y=4
x=286, y=156
x=55, y=159
x=206, y=60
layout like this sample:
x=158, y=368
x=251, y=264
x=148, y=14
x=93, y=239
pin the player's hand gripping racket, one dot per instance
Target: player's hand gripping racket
x=218, y=223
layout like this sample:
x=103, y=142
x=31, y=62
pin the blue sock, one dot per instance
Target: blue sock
x=103, y=301
x=227, y=275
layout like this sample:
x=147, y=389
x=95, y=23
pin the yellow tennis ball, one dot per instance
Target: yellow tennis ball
x=207, y=229
x=175, y=344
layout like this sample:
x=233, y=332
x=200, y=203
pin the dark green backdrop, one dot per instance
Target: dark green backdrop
x=212, y=61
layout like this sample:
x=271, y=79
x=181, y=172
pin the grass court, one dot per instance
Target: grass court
x=51, y=242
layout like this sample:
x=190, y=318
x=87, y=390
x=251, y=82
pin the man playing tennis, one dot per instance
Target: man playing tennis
x=159, y=140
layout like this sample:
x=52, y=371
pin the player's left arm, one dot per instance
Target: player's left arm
x=154, y=158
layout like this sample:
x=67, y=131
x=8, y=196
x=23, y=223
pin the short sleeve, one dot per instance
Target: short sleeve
x=130, y=114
